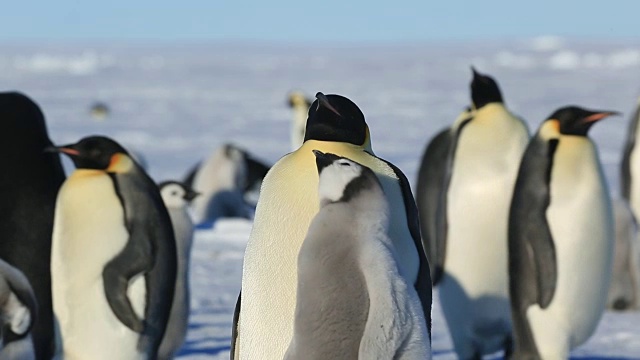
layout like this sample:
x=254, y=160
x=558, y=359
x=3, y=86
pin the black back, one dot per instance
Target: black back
x=625, y=165
x=532, y=258
x=29, y=185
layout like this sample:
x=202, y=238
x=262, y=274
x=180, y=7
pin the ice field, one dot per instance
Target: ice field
x=176, y=103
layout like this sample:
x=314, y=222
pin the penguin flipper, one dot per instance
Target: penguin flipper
x=423, y=281
x=234, y=328
x=431, y=178
x=116, y=276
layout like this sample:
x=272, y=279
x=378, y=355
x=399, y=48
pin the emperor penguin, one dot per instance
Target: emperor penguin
x=624, y=292
x=176, y=197
x=560, y=238
x=113, y=260
x=352, y=302
x=264, y=317
x=299, y=103
x=18, y=314
x=630, y=165
x=431, y=182
x=28, y=189
x=472, y=233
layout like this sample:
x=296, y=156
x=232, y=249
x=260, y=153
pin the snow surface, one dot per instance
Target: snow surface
x=176, y=103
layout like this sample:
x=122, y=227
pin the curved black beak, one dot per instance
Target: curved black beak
x=65, y=149
x=599, y=115
x=324, y=102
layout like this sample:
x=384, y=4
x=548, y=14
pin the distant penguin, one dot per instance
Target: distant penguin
x=18, y=312
x=229, y=170
x=99, y=111
x=299, y=103
x=263, y=324
x=472, y=236
x=624, y=293
x=113, y=261
x=28, y=188
x=431, y=182
x=560, y=238
x=352, y=302
x=630, y=165
x=176, y=197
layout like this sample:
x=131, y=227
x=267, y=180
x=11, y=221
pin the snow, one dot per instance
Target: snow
x=174, y=104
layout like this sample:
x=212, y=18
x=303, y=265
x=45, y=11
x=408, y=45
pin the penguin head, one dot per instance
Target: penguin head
x=98, y=153
x=336, y=118
x=297, y=98
x=574, y=120
x=484, y=90
x=176, y=194
x=341, y=179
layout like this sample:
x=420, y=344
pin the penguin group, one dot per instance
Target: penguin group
x=516, y=233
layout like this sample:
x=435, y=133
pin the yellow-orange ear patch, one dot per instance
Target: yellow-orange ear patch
x=120, y=163
x=550, y=129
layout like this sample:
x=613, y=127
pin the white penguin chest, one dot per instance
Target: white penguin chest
x=89, y=231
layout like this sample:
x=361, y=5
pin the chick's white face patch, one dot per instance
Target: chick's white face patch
x=335, y=178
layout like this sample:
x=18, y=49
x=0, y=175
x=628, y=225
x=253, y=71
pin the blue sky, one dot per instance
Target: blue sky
x=313, y=20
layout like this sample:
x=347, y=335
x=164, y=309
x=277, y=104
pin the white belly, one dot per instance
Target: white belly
x=634, y=167
x=474, y=290
x=288, y=202
x=581, y=223
x=88, y=232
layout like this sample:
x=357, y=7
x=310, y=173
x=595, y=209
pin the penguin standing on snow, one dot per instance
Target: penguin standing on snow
x=350, y=294
x=560, y=238
x=176, y=197
x=472, y=228
x=113, y=261
x=28, y=189
x=299, y=103
x=263, y=323
x=18, y=312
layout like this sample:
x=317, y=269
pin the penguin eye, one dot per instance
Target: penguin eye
x=94, y=153
x=345, y=164
x=175, y=193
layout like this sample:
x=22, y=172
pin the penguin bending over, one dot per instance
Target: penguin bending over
x=352, y=303
x=472, y=225
x=299, y=103
x=113, y=261
x=560, y=238
x=18, y=312
x=28, y=189
x=176, y=197
x=263, y=323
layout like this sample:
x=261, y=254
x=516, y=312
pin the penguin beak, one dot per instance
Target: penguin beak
x=599, y=116
x=324, y=102
x=191, y=194
x=322, y=160
x=66, y=149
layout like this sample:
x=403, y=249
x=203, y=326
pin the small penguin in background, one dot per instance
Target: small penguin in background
x=99, y=111
x=113, y=260
x=176, y=197
x=299, y=103
x=223, y=180
x=482, y=165
x=431, y=182
x=630, y=164
x=624, y=293
x=264, y=315
x=352, y=302
x=561, y=238
x=28, y=189
x=18, y=312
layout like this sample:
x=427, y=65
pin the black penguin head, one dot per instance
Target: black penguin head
x=336, y=118
x=24, y=132
x=98, y=153
x=484, y=90
x=574, y=120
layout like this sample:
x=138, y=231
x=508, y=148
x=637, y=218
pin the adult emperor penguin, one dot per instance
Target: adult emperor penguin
x=630, y=165
x=113, y=261
x=352, y=302
x=176, y=197
x=431, y=181
x=483, y=164
x=18, y=312
x=263, y=325
x=560, y=238
x=299, y=103
x=28, y=189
